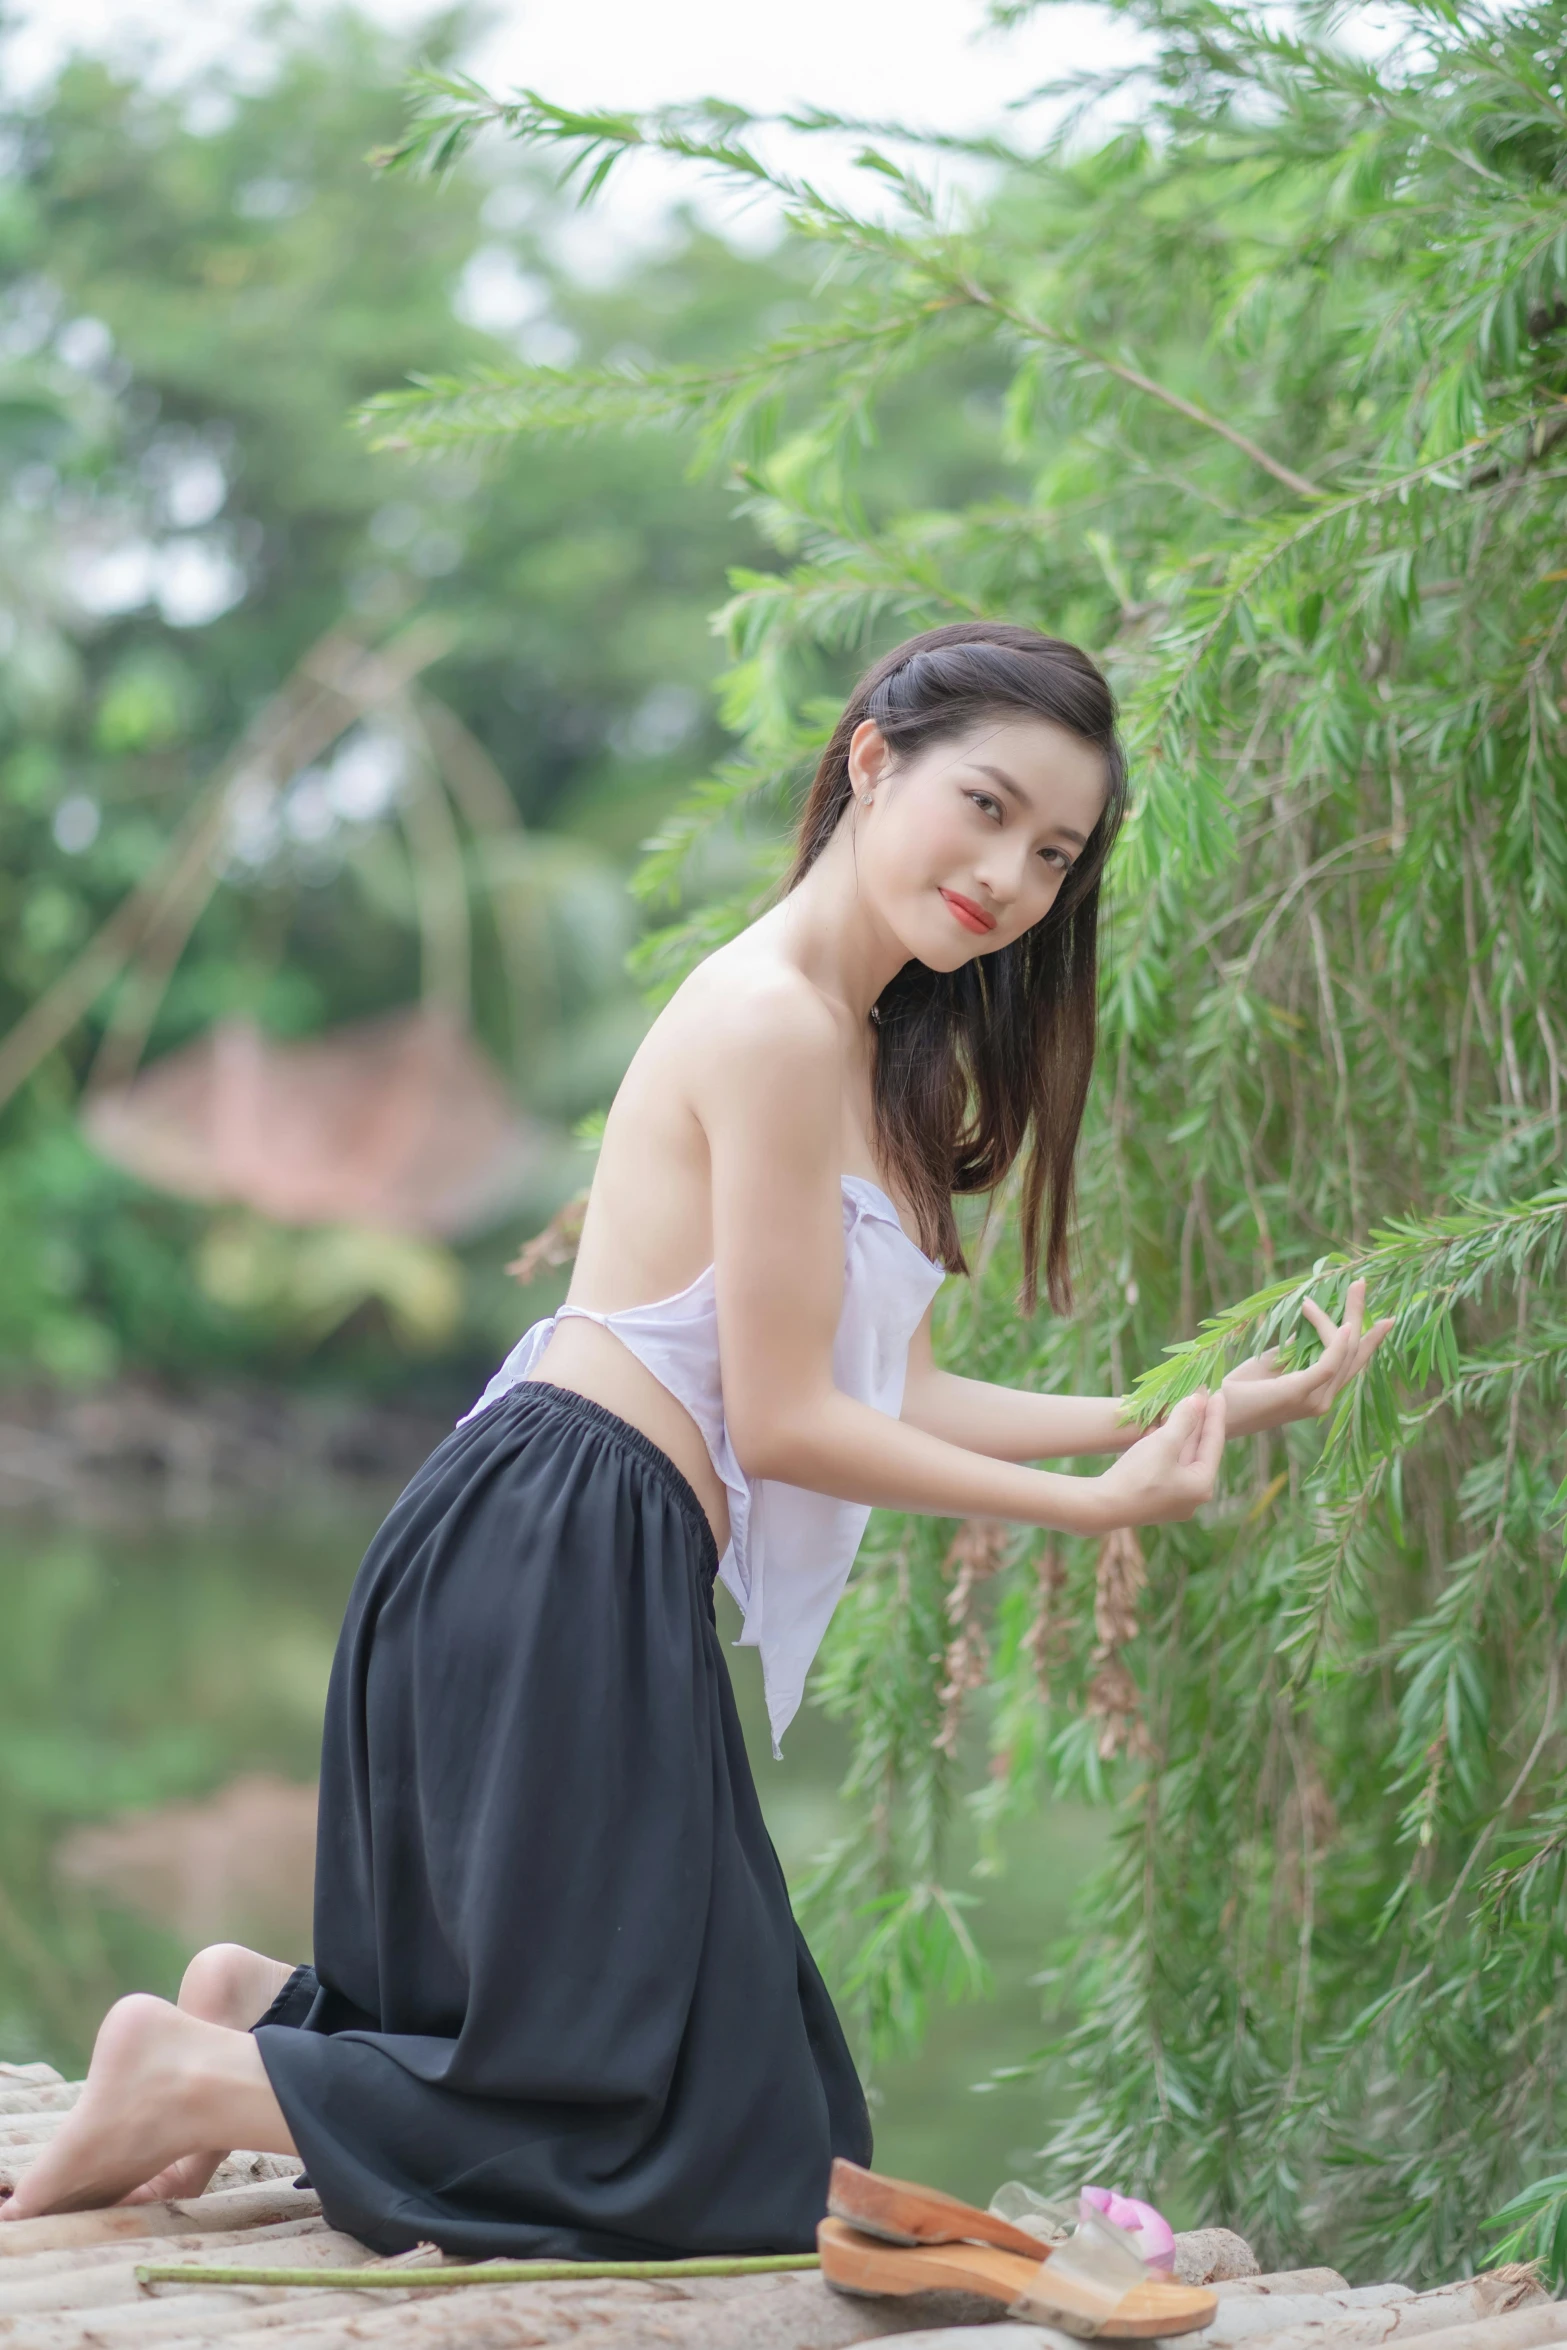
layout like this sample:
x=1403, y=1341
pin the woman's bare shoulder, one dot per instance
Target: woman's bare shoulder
x=744, y=1009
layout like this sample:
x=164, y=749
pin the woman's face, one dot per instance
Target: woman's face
x=967, y=844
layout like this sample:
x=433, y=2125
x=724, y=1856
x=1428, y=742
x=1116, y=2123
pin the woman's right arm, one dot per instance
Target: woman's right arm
x=767, y=1095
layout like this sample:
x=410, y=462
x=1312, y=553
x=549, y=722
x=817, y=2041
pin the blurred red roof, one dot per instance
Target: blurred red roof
x=399, y=1123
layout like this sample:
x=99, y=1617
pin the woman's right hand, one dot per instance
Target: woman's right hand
x=1169, y=1473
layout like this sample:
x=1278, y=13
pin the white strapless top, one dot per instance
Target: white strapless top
x=790, y=1550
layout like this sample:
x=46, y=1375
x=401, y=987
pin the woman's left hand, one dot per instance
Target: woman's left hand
x=1258, y=1395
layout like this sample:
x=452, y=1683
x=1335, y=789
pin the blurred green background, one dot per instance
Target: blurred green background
x=191, y=316
x=196, y=289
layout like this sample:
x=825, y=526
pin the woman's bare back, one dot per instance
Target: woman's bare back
x=648, y=1232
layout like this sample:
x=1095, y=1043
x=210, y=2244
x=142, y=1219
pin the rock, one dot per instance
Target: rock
x=1213, y=2256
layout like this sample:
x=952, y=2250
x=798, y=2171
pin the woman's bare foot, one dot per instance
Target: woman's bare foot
x=223, y=1984
x=161, y=2084
x=228, y=1984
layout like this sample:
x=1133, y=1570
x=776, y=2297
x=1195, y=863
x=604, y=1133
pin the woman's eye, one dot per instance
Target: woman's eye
x=1058, y=858
x=985, y=804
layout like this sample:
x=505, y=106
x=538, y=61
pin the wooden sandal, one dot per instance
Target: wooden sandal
x=899, y=2212
x=1089, y=2286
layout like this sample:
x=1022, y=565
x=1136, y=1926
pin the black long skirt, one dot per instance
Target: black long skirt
x=560, y=2005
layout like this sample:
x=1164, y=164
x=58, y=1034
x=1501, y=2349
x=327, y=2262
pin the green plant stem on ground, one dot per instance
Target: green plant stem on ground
x=492, y=2272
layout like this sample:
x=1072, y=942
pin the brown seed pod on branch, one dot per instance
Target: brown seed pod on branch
x=1113, y=1697
x=556, y=1245
x=1046, y=1640
x=978, y=1548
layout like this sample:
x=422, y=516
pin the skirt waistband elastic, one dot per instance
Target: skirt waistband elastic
x=566, y=1401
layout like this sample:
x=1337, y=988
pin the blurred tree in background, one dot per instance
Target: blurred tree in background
x=196, y=289
x=1274, y=384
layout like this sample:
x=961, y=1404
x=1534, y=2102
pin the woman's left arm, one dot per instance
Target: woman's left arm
x=1010, y=1424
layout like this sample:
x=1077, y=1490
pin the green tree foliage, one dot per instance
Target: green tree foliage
x=1276, y=386
x=196, y=288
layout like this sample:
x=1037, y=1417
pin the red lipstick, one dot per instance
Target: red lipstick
x=971, y=916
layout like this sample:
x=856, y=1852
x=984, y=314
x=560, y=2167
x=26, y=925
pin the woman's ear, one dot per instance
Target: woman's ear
x=869, y=758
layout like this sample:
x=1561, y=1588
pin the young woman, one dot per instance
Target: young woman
x=559, y=2003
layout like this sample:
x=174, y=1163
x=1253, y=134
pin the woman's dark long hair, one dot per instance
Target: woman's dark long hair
x=969, y=1064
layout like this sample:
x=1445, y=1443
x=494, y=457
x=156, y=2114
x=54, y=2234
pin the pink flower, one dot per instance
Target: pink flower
x=1150, y=2231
